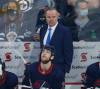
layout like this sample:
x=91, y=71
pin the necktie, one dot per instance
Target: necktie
x=48, y=37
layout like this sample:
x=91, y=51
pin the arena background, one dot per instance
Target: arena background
x=85, y=53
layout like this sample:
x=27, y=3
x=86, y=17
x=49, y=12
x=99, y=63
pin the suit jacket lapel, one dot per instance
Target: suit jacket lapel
x=44, y=32
x=54, y=35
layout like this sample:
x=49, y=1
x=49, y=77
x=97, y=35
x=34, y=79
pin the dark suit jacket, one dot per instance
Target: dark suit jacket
x=93, y=75
x=62, y=42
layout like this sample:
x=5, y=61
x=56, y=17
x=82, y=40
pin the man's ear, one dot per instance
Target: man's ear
x=52, y=57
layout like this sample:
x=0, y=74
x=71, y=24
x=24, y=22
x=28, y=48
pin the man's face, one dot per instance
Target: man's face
x=83, y=5
x=82, y=9
x=12, y=10
x=52, y=17
x=45, y=56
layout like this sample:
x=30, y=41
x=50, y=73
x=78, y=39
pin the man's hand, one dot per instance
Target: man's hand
x=36, y=37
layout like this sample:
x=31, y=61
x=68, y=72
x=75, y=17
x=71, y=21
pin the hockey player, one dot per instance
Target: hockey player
x=8, y=80
x=44, y=74
x=93, y=76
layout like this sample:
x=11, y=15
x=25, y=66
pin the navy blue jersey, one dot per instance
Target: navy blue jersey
x=93, y=75
x=9, y=82
x=52, y=79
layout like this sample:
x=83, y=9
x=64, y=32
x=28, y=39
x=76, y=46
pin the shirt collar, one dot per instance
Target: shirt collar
x=46, y=72
x=53, y=27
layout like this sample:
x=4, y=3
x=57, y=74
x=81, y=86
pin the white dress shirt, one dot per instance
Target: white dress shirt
x=52, y=31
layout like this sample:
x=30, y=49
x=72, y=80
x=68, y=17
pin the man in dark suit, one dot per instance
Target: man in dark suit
x=60, y=38
x=93, y=75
